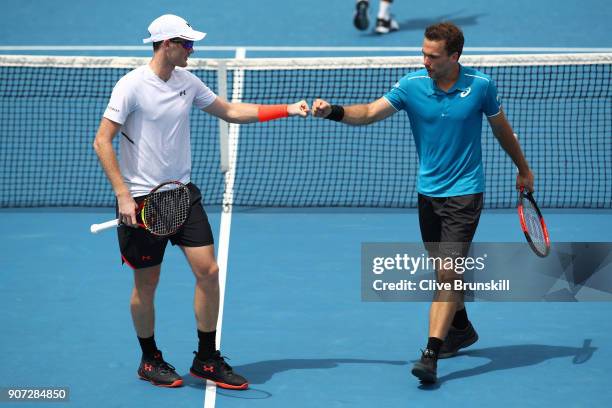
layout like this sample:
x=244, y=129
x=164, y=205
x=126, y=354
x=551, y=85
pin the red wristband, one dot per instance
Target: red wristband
x=271, y=112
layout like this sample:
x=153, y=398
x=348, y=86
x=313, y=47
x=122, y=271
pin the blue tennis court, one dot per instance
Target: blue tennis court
x=293, y=319
x=293, y=322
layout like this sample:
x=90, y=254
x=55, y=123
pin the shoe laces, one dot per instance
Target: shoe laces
x=221, y=359
x=162, y=365
x=165, y=368
x=217, y=357
x=428, y=353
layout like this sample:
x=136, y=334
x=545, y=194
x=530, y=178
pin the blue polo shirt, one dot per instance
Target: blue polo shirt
x=447, y=128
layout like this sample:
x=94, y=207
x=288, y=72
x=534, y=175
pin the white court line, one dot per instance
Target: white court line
x=210, y=395
x=236, y=48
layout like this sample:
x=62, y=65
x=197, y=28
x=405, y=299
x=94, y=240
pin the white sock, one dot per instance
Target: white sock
x=384, y=9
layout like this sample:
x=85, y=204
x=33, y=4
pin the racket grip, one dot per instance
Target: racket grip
x=95, y=228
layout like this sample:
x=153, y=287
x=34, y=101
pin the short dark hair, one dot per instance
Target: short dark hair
x=450, y=33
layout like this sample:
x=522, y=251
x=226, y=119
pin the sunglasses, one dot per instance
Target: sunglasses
x=188, y=45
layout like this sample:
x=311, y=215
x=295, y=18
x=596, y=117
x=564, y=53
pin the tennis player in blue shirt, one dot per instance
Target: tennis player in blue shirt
x=445, y=102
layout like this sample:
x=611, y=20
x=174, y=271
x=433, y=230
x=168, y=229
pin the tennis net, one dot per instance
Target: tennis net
x=560, y=106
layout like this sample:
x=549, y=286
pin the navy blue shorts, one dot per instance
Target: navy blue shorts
x=140, y=249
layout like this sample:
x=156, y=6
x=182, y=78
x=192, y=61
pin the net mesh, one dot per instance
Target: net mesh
x=560, y=106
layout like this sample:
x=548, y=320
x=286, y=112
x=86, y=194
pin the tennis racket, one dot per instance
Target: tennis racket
x=162, y=212
x=532, y=224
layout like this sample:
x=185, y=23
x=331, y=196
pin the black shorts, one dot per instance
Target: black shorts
x=140, y=249
x=448, y=224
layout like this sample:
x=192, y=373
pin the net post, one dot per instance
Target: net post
x=223, y=125
x=233, y=129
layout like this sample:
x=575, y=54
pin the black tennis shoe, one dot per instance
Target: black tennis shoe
x=158, y=372
x=427, y=368
x=217, y=370
x=360, y=20
x=457, y=339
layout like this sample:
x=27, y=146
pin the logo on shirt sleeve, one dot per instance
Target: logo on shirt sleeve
x=183, y=92
x=112, y=108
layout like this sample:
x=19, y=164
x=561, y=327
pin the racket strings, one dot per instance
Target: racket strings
x=166, y=211
x=534, y=226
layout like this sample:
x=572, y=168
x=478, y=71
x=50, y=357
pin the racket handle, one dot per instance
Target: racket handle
x=95, y=228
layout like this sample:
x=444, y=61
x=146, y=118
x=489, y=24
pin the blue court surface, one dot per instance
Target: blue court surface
x=293, y=319
x=316, y=23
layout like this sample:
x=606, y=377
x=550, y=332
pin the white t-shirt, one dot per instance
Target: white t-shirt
x=155, y=141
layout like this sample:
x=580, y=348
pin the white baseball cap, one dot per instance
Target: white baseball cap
x=170, y=26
